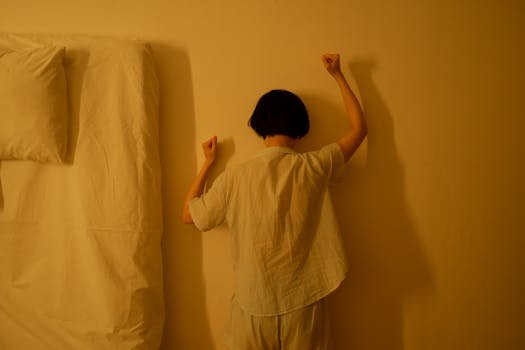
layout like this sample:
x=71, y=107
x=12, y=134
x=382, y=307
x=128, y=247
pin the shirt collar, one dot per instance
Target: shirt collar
x=275, y=149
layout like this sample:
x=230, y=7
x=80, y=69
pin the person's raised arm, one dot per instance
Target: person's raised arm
x=197, y=187
x=355, y=135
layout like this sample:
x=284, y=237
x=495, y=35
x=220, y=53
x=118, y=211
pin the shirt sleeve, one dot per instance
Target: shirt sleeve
x=209, y=210
x=332, y=160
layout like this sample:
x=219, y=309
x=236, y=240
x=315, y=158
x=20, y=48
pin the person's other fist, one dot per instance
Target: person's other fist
x=331, y=63
x=209, y=148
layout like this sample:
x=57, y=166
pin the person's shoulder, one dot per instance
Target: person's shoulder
x=326, y=159
x=233, y=169
x=327, y=150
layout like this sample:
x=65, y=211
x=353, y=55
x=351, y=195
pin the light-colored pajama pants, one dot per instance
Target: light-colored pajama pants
x=304, y=329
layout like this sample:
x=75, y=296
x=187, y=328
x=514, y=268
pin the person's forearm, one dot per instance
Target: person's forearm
x=197, y=186
x=196, y=189
x=352, y=106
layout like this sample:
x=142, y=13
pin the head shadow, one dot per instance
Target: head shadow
x=387, y=264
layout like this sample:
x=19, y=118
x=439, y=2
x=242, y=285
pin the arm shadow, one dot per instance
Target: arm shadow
x=186, y=323
x=387, y=265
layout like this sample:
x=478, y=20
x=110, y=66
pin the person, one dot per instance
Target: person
x=286, y=246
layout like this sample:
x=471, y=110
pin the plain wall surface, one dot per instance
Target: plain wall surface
x=432, y=204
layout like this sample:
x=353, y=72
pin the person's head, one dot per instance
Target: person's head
x=280, y=112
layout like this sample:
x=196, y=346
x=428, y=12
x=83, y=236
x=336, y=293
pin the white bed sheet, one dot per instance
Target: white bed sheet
x=80, y=256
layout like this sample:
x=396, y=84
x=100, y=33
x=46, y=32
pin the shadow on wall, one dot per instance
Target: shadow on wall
x=186, y=324
x=1, y=190
x=75, y=70
x=386, y=262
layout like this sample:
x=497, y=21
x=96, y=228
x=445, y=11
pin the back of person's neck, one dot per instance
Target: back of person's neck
x=280, y=141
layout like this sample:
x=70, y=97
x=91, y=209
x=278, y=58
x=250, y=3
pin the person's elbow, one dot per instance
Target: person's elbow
x=362, y=131
x=351, y=141
x=358, y=133
x=186, y=215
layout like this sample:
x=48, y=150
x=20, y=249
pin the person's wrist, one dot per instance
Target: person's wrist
x=208, y=163
x=338, y=75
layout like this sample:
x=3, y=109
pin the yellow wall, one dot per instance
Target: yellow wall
x=432, y=205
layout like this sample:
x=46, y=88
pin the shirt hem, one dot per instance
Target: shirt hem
x=295, y=308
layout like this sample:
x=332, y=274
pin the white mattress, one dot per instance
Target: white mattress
x=80, y=258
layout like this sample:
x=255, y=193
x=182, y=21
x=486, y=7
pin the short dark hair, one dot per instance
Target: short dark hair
x=280, y=112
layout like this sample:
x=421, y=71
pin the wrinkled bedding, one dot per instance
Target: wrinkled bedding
x=80, y=259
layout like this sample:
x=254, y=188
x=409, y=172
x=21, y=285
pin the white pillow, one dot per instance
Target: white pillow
x=33, y=105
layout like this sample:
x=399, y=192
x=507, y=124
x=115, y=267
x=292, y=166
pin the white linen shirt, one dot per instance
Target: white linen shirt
x=286, y=244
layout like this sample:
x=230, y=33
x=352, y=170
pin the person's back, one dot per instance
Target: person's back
x=285, y=241
x=286, y=245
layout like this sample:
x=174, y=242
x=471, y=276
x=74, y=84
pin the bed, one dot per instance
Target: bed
x=80, y=255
